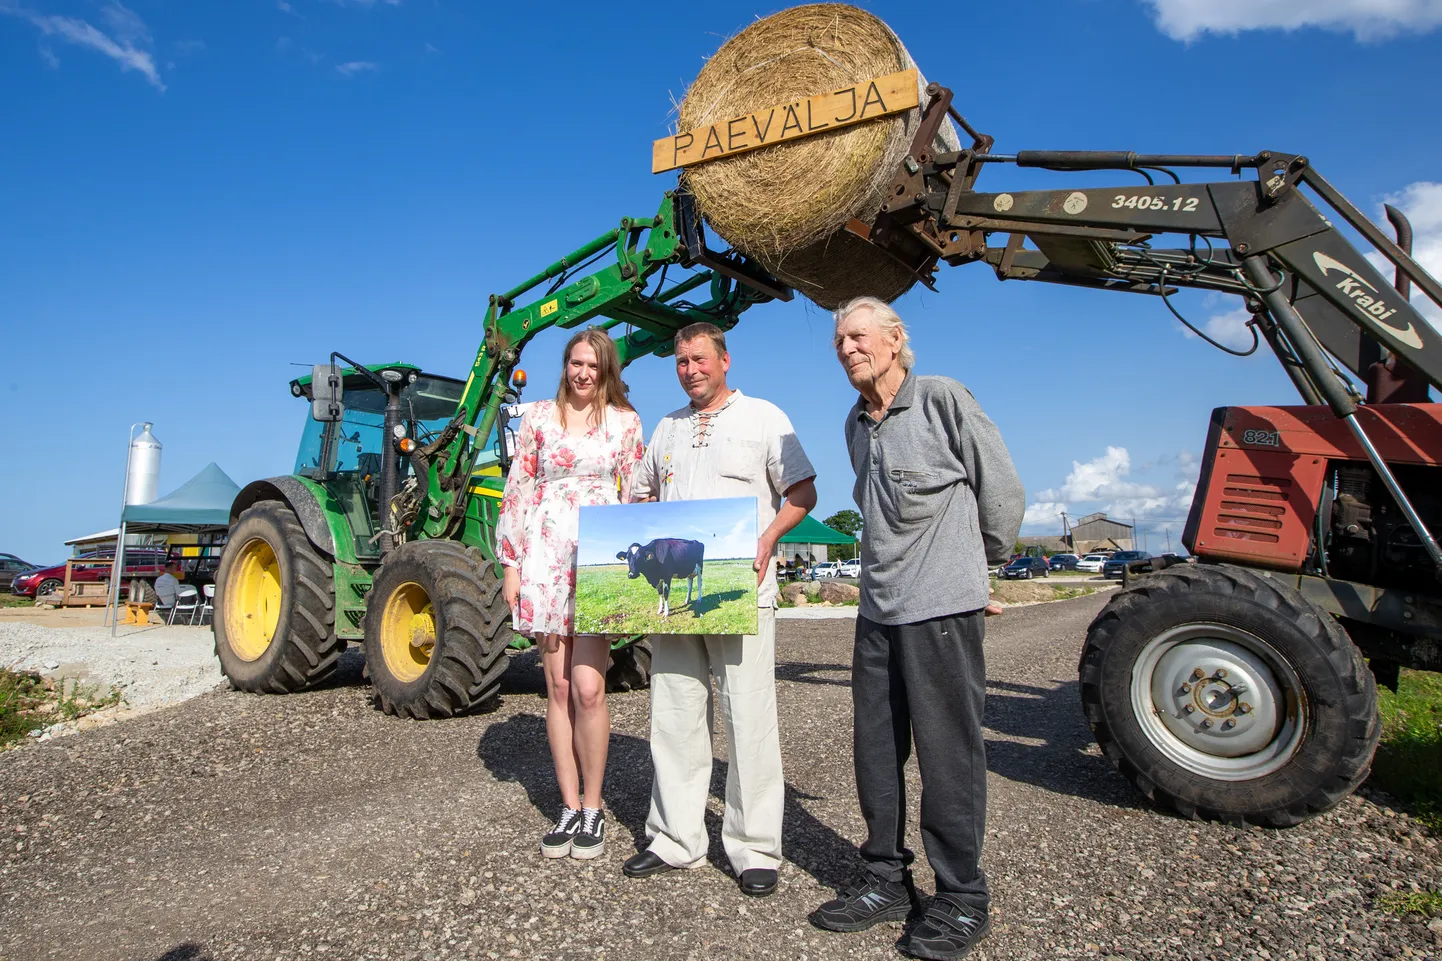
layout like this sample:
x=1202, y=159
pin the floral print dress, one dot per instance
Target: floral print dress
x=553, y=476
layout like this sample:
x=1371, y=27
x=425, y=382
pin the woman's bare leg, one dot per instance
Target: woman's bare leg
x=589, y=659
x=560, y=719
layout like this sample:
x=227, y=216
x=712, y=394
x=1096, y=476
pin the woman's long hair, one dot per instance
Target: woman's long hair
x=610, y=391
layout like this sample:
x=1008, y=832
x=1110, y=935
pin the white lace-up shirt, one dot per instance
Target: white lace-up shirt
x=747, y=448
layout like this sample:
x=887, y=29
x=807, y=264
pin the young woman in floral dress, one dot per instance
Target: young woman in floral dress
x=576, y=451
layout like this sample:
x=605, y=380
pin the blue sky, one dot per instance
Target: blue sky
x=200, y=195
x=726, y=525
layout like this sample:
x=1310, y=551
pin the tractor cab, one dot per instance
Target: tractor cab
x=345, y=455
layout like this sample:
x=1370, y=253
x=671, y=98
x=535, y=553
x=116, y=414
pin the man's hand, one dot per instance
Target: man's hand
x=511, y=585
x=993, y=608
x=764, y=550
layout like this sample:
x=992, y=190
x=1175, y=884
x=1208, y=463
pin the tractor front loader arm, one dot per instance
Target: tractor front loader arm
x=1310, y=291
x=628, y=289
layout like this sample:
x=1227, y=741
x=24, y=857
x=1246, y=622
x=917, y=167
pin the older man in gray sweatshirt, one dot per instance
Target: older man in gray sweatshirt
x=940, y=500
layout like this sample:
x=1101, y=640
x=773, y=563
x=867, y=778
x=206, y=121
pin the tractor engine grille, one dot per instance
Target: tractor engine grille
x=1252, y=507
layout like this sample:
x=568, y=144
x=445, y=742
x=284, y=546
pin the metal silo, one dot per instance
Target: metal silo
x=143, y=478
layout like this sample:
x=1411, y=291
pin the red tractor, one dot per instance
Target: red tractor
x=1243, y=686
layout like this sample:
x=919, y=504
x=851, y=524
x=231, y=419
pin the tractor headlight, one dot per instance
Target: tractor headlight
x=399, y=430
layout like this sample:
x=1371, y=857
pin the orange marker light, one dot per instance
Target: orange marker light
x=519, y=378
x=406, y=445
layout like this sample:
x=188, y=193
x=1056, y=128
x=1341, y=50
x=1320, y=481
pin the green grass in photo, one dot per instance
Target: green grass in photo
x=1408, y=764
x=609, y=602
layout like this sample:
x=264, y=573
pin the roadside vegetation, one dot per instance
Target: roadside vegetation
x=1408, y=765
x=14, y=600
x=29, y=702
x=1427, y=904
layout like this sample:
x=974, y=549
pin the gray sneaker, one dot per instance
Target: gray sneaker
x=558, y=841
x=590, y=840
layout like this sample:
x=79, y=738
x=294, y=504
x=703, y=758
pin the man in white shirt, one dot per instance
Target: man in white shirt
x=722, y=444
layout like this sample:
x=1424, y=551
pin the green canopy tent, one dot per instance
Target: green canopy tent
x=199, y=505
x=809, y=533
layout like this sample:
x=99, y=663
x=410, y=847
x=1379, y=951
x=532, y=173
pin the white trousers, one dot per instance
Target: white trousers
x=745, y=671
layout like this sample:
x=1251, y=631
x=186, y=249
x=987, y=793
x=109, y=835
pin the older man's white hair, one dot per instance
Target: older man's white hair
x=885, y=319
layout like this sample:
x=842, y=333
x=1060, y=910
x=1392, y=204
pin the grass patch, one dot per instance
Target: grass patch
x=21, y=696
x=15, y=600
x=1408, y=764
x=1067, y=593
x=29, y=702
x=1428, y=904
x=609, y=602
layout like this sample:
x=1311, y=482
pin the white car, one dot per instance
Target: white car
x=824, y=569
x=1092, y=563
x=850, y=568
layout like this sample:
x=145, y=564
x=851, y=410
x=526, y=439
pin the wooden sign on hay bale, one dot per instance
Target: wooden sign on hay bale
x=786, y=204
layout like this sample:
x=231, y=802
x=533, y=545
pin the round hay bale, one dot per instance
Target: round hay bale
x=784, y=205
x=839, y=267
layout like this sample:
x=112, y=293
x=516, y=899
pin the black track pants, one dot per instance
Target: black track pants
x=925, y=681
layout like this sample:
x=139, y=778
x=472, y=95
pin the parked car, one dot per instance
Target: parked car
x=825, y=568
x=1115, y=563
x=1025, y=568
x=140, y=562
x=851, y=568
x=1063, y=562
x=1092, y=563
x=10, y=565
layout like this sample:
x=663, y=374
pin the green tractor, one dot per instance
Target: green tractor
x=384, y=533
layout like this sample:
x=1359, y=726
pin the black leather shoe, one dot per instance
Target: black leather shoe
x=758, y=882
x=644, y=865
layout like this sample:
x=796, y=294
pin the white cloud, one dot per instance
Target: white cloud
x=1103, y=484
x=284, y=7
x=125, y=44
x=48, y=55
x=1229, y=329
x=1043, y=514
x=1364, y=19
x=125, y=24
x=1100, y=478
x=353, y=67
x=1422, y=203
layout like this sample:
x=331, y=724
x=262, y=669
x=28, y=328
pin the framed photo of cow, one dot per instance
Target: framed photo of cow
x=679, y=567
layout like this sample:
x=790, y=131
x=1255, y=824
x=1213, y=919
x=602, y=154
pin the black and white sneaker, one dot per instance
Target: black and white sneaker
x=558, y=841
x=869, y=901
x=590, y=840
x=948, y=930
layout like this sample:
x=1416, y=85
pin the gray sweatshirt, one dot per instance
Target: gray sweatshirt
x=939, y=500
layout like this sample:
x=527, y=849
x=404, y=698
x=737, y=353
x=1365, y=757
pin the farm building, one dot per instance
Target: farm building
x=1049, y=543
x=1098, y=531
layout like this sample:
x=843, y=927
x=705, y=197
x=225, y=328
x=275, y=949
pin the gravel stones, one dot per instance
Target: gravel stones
x=312, y=826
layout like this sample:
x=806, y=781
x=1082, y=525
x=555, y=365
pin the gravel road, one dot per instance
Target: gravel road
x=312, y=826
x=154, y=666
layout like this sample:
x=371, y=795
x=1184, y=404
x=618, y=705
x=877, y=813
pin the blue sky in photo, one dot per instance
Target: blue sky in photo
x=200, y=196
x=726, y=525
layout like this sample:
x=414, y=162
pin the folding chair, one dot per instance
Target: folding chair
x=207, y=608
x=187, y=599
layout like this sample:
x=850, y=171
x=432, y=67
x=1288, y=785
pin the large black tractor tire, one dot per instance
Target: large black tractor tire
x=1225, y=695
x=274, y=605
x=630, y=668
x=436, y=630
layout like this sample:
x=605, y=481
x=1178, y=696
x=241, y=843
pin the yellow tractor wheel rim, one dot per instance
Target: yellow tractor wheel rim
x=408, y=632
x=253, y=601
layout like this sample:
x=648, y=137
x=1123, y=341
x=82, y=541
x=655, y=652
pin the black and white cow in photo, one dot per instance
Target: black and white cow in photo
x=663, y=559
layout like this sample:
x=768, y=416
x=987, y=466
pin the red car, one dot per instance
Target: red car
x=139, y=562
